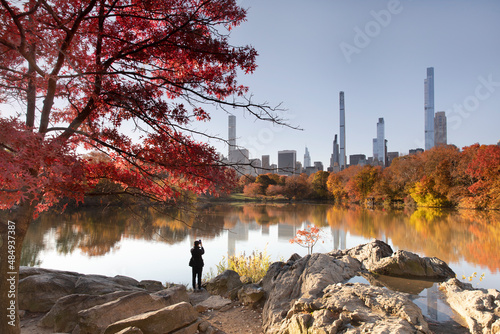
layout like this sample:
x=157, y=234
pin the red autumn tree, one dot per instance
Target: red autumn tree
x=86, y=75
x=307, y=237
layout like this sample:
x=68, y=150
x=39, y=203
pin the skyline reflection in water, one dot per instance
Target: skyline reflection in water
x=148, y=245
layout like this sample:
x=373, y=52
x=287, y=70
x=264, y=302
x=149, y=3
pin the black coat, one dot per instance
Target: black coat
x=197, y=260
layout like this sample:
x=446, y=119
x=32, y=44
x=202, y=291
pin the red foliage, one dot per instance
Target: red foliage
x=87, y=70
x=307, y=237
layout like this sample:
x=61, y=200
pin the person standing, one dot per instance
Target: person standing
x=196, y=263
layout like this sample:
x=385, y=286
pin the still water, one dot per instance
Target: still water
x=148, y=245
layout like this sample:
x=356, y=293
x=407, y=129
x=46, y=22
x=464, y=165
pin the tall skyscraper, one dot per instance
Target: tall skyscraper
x=334, y=159
x=379, y=151
x=429, y=108
x=307, y=159
x=231, y=133
x=342, y=156
x=440, y=131
x=286, y=162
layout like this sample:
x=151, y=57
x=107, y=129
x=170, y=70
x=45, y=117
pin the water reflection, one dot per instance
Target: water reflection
x=453, y=236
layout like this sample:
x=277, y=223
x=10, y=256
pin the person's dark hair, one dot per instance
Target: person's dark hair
x=196, y=243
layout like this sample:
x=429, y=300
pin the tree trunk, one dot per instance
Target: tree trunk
x=12, y=232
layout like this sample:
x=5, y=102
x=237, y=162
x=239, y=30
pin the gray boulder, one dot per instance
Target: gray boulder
x=479, y=307
x=174, y=294
x=304, y=278
x=407, y=264
x=213, y=303
x=181, y=316
x=63, y=316
x=354, y=308
x=100, y=285
x=251, y=294
x=226, y=284
x=369, y=254
x=39, y=292
x=150, y=285
x=95, y=320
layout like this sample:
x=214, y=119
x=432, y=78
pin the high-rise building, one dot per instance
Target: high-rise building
x=379, y=151
x=265, y=162
x=286, y=162
x=342, y=150
x=307, y=159
x=440, y=131
x=231, y=133
x=429, y=108
x=357, y=159
x=334, y=159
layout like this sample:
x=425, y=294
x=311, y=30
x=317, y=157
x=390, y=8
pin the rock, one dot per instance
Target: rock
x=250, y=294
x=479, y=307
x=95, y=320
x=39, y=292
x=368, y=254
x=407, y=264
x=174, y=294
x=355, y=308
x=306, y=278
x=226, y=284
x=63, y=316
x=124, y=280
x=25, y=271
x=100, y=285
x=214, y=303
x=130, y=330
x=294, y=257
x=150, y=285
x=166, y=320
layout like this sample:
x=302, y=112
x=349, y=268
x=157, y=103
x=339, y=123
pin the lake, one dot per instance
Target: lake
x=149, y=245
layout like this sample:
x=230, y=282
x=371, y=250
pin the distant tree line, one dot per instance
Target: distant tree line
x=441, y=177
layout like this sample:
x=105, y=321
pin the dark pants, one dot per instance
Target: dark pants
x=197, y=271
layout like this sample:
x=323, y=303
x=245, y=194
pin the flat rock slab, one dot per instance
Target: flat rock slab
x=214, y=302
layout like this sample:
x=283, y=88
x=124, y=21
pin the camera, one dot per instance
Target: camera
x=199, y=241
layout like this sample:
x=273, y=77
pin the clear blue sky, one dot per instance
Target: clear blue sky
x=311, y=50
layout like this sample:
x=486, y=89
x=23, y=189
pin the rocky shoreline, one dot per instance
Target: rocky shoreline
x=309, y=294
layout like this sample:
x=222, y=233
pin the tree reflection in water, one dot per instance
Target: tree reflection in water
x=453, y=236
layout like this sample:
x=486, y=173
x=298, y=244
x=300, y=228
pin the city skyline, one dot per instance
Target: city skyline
x=304, y=66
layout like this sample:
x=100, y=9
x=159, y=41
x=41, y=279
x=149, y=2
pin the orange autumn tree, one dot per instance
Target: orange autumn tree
x=87, y=74
x=307, y=237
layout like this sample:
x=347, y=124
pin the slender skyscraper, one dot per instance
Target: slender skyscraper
x=307, y=159
x=379, y=143
x=231, y=133
x=343, y=156
x=334, y=159
x=429, y=108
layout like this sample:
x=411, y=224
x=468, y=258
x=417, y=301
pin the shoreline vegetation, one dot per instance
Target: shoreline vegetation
x=443, y=177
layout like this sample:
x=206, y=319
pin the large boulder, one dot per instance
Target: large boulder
x=226, y=284
x=479, y=307
x=100, y=285
x=303, y=278
x=369, y=254
x=165, y=320
x=39, y=292
x=95, y=320
x=174, y=294
x=408, y=264
x=63, y=316
x=251, y=294
x=354, y=308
